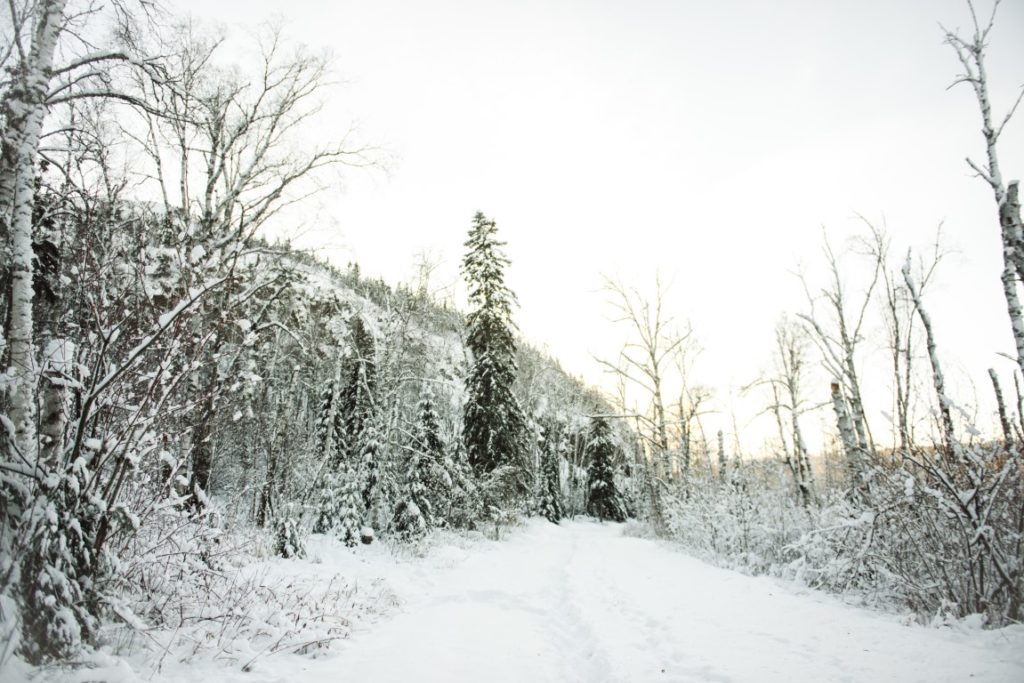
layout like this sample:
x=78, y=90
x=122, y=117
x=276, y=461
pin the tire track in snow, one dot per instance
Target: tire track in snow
x=544, y=592
x=589, y=662
x=507, y=612
x=638, y=634
x=581, y=603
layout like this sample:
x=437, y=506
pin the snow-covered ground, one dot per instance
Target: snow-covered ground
x=582, y=602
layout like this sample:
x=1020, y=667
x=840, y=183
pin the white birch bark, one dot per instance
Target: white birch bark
x=1004, y=420
x=972, y=57
x=846, y=434
x=938, y=380
x=26, y=109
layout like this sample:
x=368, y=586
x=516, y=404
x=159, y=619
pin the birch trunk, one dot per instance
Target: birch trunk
x=1004, y=420
x=972, y=57
x=803, y=463
x=937, y=378
x=846, y=435
x=25, y=109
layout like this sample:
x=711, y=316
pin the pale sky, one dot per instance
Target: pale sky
x=709, y=141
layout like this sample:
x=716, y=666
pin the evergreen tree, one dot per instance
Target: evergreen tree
x=357, y=399
x=330, y=448
x=603, y=500
x=428, y=430
x=350, y=507
x=288, y=541
x=551, y=492
x=413, y=515
x=349, y=440
x=493, y=424
x=61, y=610
x=465, y=505
x=329, y=507
x=330, y=424
x=369, y=467
x=436, y=474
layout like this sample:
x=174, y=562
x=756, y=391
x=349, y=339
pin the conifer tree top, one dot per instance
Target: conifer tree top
x=484, y=270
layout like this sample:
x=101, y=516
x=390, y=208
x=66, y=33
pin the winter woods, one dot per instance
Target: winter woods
x=180, y=389
x=168, y=374
x=926, y=511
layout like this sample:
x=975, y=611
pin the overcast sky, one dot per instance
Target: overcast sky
x=708, y=140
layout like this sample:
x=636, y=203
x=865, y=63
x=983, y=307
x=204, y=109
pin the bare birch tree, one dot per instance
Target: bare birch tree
x=970, y=51
x=789, y=403
x=223, y=155
x=899, y=313
x=938, y=379
x=37, y=29
x=647, y=360
x=838, y=333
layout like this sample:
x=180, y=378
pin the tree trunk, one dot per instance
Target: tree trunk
x=202, y=453
x=854, y=461
x=937, y=378
x=24, y=110
x=803, y=463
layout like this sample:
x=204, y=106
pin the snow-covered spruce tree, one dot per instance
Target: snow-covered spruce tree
x=329, y=500
x=465, y=505
x=347, y=438
x=551, y=494
x=551, y=485
x=330, y=424
x=603, y=499
x=413, y=514
x=369, y=470
x=330, y=429
x=494, y=429
x=359, y=394
x=437, y=475
x=60, y=610
x=350, y=508
x=288, y=541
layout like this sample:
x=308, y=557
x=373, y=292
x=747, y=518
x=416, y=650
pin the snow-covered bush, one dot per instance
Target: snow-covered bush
x=747, y=521
x=921, y=535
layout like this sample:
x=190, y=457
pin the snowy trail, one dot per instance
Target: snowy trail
x=581, y=602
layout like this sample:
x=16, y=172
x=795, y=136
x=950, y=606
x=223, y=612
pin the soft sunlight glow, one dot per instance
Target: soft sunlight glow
x=709, y=142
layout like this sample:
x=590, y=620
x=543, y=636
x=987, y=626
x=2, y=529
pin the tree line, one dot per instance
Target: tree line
x=933, y=522
x=170, y=377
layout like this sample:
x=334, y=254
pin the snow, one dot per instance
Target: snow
x=583, y=602
x=60, y=354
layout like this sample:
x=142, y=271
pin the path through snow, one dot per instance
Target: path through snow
x=581, y=602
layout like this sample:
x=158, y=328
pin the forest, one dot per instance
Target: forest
x=182, y=392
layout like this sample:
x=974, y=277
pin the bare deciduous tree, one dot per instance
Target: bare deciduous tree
x=224, y=157
x=646, y=361
x=838, y=334
x=789, y=403
x=971, y=53
x=898, y=315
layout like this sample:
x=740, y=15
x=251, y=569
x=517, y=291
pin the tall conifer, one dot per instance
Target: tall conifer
x=603, y=500
x=493, y=425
